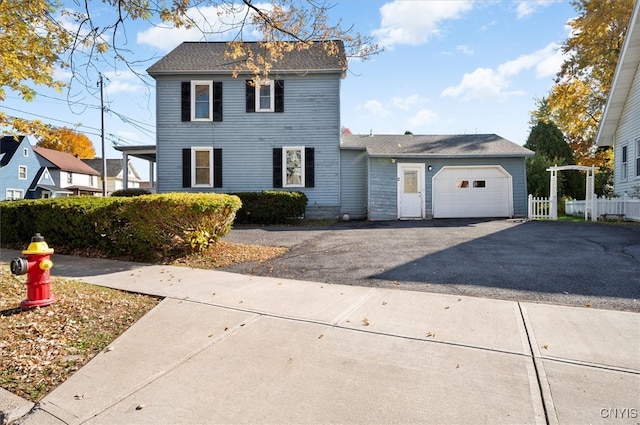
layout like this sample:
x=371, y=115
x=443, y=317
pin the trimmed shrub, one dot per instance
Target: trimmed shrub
x=139, y=191
x=150, y=227
x=271, y=207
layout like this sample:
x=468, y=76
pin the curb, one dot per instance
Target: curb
x=12, y=407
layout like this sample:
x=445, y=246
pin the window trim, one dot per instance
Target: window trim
x=194, y=84
x=13, y=191
x=624, y=162
x=22, y=172
x=194, y=167
x=272, y=101
x=285, y=149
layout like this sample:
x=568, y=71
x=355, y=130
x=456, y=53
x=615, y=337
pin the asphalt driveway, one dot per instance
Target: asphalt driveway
x=583, y=264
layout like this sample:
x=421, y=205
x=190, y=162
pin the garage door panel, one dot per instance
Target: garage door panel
x=471, y=192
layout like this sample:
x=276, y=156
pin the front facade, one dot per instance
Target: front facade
x=412, y=177
x=220, y=133
x=18, y=167
x=619, y=126
x=69, y=172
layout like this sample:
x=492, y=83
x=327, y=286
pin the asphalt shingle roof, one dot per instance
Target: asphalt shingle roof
x=454, y=145
x=199, y=57
x=114, y=166
x=65, y=161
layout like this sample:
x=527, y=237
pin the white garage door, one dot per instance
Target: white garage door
x=472, y=192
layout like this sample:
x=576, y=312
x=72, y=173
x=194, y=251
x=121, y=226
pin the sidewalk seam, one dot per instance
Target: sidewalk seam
x=543, y=387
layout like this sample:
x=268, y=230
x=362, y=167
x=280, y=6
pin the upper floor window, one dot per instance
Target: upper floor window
x=25, y=152
x=22, y=172
x=90, y=180
x=69, y=178
x=265, y=96
x=201, y=100
x=624, y=163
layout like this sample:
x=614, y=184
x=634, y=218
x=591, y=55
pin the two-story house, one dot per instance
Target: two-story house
x=18, y=167
x=220, y=133
x=69, y=172
x=115, y=173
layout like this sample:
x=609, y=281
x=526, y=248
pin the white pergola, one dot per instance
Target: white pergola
x=591, y=205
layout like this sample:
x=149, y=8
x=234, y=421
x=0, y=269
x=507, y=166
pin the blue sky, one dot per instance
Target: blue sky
x=449, y=67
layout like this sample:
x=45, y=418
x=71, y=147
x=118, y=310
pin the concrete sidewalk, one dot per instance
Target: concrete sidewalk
x=229, y=348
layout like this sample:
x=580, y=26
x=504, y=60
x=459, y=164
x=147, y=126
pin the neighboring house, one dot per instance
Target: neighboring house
x=69, y=172
x=21, y=173
x=18, y=167
x=620, y=124
x=218, y=133
x=389, y=177
x=115, y=176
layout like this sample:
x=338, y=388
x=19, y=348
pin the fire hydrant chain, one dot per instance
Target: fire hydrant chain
x=36, y=266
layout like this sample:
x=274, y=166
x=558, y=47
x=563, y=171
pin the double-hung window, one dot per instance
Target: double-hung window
x=14, y=194
x=22, y=172
x=202, y=167
x=265, y=96
x=293, y=164
x=201, y=100
x=623, y=164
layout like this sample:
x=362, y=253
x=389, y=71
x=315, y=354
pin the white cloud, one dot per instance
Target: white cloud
x=526, y=8
x=375, y=108
x=123, y=82
x=491, y=83
x=465, y=49
x=406, y=103
x=414, y=23
x=423, y=117
x=213, y=23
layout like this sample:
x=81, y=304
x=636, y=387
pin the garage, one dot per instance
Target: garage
x=480, y=191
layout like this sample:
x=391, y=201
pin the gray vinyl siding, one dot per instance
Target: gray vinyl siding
x=353, y=184
x=383, y=195
x=310, y=119
x=628, y=134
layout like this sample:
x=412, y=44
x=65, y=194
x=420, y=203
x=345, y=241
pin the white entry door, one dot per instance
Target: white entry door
x=410, y=191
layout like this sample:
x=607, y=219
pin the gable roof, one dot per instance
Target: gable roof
x=114, y=166
x=626, y=71
x=65, y=161
x=8, y=147
x=445, y=146
x=208, y=57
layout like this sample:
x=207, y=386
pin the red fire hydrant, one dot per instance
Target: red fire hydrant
x=37, y=266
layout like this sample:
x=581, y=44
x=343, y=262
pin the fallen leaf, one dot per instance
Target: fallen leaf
x=431, y=334
x=365, y=321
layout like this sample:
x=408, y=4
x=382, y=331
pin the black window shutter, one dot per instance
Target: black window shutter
x=250, y=96
x=186, y=101
x=186, y=167
x=309, y=172
x=217, y=167
x=277, y=167
x=217, y=100
x=279, y=96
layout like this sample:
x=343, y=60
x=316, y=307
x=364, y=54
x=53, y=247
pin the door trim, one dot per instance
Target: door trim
x=421, y=181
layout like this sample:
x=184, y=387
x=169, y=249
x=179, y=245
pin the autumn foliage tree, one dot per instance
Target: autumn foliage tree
x=576, y=101
x=39, y=36
x=67, y=140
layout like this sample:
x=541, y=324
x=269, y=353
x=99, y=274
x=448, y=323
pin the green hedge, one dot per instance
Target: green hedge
x=150, y=227
x=271, y=207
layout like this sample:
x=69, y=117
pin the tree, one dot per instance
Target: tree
x=551, y=148
x=67, y=140
x=576, y=101
x=39, y=36
x=345, y=130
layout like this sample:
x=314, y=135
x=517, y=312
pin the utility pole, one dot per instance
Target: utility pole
x=103, y=175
